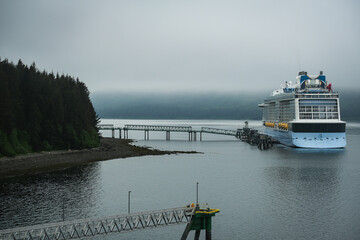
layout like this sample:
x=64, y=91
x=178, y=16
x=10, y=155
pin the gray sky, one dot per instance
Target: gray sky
x=193, y=45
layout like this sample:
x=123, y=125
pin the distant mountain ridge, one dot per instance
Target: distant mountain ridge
x=241, y=105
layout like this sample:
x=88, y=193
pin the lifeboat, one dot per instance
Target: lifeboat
x=283, y=126
x=270, y=124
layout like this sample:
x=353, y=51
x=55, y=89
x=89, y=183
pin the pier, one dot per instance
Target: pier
x=192, y=133
x=148, y=128
x=111, y=128
x=197, y=219
x=246, y=134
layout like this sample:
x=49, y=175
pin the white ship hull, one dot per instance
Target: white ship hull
x=308, y=139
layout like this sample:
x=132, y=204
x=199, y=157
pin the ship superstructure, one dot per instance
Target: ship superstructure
x=305, y=114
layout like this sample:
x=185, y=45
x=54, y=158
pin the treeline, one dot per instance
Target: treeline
x=42, y=111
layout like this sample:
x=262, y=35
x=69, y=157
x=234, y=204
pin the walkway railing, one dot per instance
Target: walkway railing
x=168, y=129
x=218, y=131
x=159, y=128
x=100, y=226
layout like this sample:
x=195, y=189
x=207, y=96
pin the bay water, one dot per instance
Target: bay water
x=280, y=193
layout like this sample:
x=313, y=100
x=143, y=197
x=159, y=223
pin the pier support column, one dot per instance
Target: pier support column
x=119, y=133
x=200, y=136
x=167, y=135
x=146, y=135
x=126, y=134
x=208, y=234
x=113, y=133
x=197, y=235
x=195, y=136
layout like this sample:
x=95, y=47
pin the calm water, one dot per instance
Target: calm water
x=282, y=193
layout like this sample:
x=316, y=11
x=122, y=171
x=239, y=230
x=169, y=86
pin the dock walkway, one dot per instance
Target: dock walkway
x=100, y=226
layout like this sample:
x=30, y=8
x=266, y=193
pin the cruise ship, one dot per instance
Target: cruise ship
x=305, y=114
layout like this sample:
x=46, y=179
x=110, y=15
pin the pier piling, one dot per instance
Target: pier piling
x=253, y=137
x=201, y=220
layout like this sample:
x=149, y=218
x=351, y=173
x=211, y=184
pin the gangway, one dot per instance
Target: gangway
x=100, y=226
x=218, y=131
x=197, y=218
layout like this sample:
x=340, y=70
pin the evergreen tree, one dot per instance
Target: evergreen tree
x=41, y=111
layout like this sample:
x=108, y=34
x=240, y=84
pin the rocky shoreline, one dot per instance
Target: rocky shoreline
x=110, y=148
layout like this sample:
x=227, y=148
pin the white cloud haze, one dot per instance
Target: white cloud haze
x=185, y=45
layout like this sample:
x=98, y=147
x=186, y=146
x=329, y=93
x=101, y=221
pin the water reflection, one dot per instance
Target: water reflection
x=41, y=198
x=309, y=154
x=282, y=193
x=302, y=196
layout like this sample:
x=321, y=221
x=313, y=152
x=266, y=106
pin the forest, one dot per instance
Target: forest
x=40, y=111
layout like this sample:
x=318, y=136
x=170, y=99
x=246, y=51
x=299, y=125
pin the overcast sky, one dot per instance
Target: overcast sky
x=192, y=45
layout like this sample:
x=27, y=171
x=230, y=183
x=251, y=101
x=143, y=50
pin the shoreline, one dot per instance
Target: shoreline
x=109, y=148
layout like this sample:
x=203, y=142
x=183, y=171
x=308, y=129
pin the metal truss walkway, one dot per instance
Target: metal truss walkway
x=168, y=129
x=100, y=226
x=159, y=128
x=218, y=131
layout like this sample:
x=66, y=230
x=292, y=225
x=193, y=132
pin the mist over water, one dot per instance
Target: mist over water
x=281, y=193
x=238, y=104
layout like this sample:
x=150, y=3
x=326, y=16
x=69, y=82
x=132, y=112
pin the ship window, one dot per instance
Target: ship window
x=315, y=108
x=322, y=115
x=331, y=108
x=316, y=115
x=322, y=109
x=331, y=115
x=305, y=116
x=317, y=102
x=307, y=108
